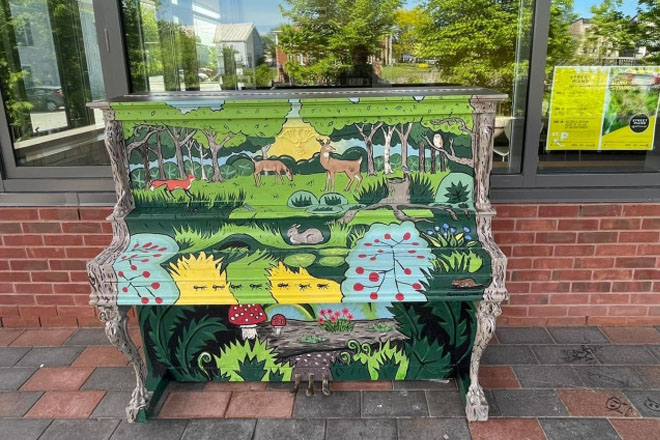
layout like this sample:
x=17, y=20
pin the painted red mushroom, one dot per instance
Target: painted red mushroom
x=247, y=316
x=278, y=321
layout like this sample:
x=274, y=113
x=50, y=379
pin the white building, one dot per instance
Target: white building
x=245, y=41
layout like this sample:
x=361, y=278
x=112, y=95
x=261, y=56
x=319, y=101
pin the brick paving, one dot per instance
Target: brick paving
x=543, y=384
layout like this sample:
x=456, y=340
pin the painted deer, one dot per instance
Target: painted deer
x=266, y=165
x=349, y=167
x=170, y=185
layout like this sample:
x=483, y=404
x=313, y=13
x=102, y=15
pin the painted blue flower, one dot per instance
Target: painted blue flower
x=466, y=229
x=445, y=226
x=429, y=232
x=437, y=228
x=452, y=230
x=468, y=237
x=444, y=234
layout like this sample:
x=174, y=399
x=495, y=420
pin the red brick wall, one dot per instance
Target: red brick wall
x=569, y=264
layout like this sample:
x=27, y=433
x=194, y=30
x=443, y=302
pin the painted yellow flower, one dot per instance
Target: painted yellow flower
x=289, y=287
x=200, y=281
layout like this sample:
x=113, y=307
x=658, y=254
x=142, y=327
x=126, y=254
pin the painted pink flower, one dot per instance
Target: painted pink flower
x=320, y=321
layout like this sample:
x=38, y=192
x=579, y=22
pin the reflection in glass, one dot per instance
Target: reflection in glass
x=49, y=70
x=623, y=37
x=245, y=44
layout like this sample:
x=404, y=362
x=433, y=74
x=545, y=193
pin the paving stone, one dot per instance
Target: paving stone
x=50, y=357
x=293, y=429
x=528, y=403
x=565, y=354
x=509, y=355
x=195, y=405
x=88, y=336
x=646, y=402
x=578, y=429
x=651, y=376
x=100, y=356
x=523, y=335
x=597, y=403
x=445, y=404
x=636, y=429
x=578, y=335
x=361, y=385
x=421, y=429
x=43, y=337
x=361, y=429
x=339, y=404
x=65, y=405
x=625, y=355
x=547, y=377
x=500, y=378
x=22, y=429
x=10, y=355
x=7, y=336
x=261, y=404
x=16, y=404
x=80, y=430
x=189, y=386
x=655, y=349
x=12, y=378
x=449, y=384
x=632, y=335
x=111, y=379
x=201, y=429
x=155, y=429
x=507, y=429
x=57, y=379
x=113, y=405
x=493, y=409
x=610, y=377
x=394, y=404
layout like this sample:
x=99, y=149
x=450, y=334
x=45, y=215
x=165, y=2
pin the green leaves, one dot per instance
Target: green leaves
x=427, y=360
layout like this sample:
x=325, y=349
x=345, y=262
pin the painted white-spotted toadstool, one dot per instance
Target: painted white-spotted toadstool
x=278, y=321
x=247, y=316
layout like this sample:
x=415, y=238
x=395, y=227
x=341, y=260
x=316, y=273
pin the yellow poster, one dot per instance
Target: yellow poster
x=603, y=108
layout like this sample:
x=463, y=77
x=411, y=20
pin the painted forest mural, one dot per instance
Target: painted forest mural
x=281, y=237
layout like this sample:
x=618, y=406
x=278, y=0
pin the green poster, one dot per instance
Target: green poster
x=603, y=108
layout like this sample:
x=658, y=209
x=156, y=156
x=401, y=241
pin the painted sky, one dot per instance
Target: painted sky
x=266, y=13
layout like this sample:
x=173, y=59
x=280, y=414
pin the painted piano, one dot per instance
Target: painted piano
x=278, y=235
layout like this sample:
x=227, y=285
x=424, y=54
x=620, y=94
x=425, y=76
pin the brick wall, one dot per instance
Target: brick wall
x=569, y=264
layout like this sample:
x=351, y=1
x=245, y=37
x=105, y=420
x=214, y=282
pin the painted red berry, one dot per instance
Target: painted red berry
x=159, y=300
x=376, y=241
x=145, y=260
x=374, y=277
x=373, y=258
x=157, y=255
x=388, y=237
x=373, y=296
x=399, y=296
x=121, y=273
x=133, y=267
x=124, y=289
x=145, y=300
x=359, y=270
x=421, y=257
x=147, y=244
x=380, y=251
x=415, y=243
x=162, y=249
x=362, y=256
x=412, y=251
x=358, y=287
x=146, y=274
x=155, y=286
x=367, y=244
x=407, y=271
x=406, y=236
x=417, y=286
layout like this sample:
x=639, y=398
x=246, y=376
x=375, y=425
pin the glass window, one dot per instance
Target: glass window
x=244, y=44
x=602, y=87
x=49, y=70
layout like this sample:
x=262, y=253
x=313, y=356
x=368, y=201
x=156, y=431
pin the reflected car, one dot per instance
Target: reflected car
x=48, y=98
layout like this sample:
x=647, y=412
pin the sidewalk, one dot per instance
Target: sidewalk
x=555, y=383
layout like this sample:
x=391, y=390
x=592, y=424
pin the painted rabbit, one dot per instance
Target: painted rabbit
x=308, y=236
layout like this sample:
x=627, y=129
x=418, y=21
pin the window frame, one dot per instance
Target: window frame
x=93, y=184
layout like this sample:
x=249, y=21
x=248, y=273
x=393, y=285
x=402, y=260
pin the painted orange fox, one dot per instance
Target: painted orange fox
x=172, y=184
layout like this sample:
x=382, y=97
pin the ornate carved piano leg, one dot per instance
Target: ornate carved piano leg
x=116, y=329
x=476, y=406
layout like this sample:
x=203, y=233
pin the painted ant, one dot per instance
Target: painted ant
x=216, y=287
x=304, y=286
x=255, y=286
x=323, y=286
x=199, y=287
x=235, y=286
x=283, y=285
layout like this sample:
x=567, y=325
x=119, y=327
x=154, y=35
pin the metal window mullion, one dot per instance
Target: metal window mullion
x=114, y=62
x=533, y=121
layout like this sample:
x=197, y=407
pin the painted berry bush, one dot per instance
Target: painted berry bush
x=390, y=263
x=140, y=277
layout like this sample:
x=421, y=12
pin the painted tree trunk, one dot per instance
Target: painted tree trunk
x=201, y=162
x=179, y=159
x=144, y=154
x=159, y=155
x=217, y=177
x=387, y=167
x=432, y=161
x=370, y=158
x=422, y=157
